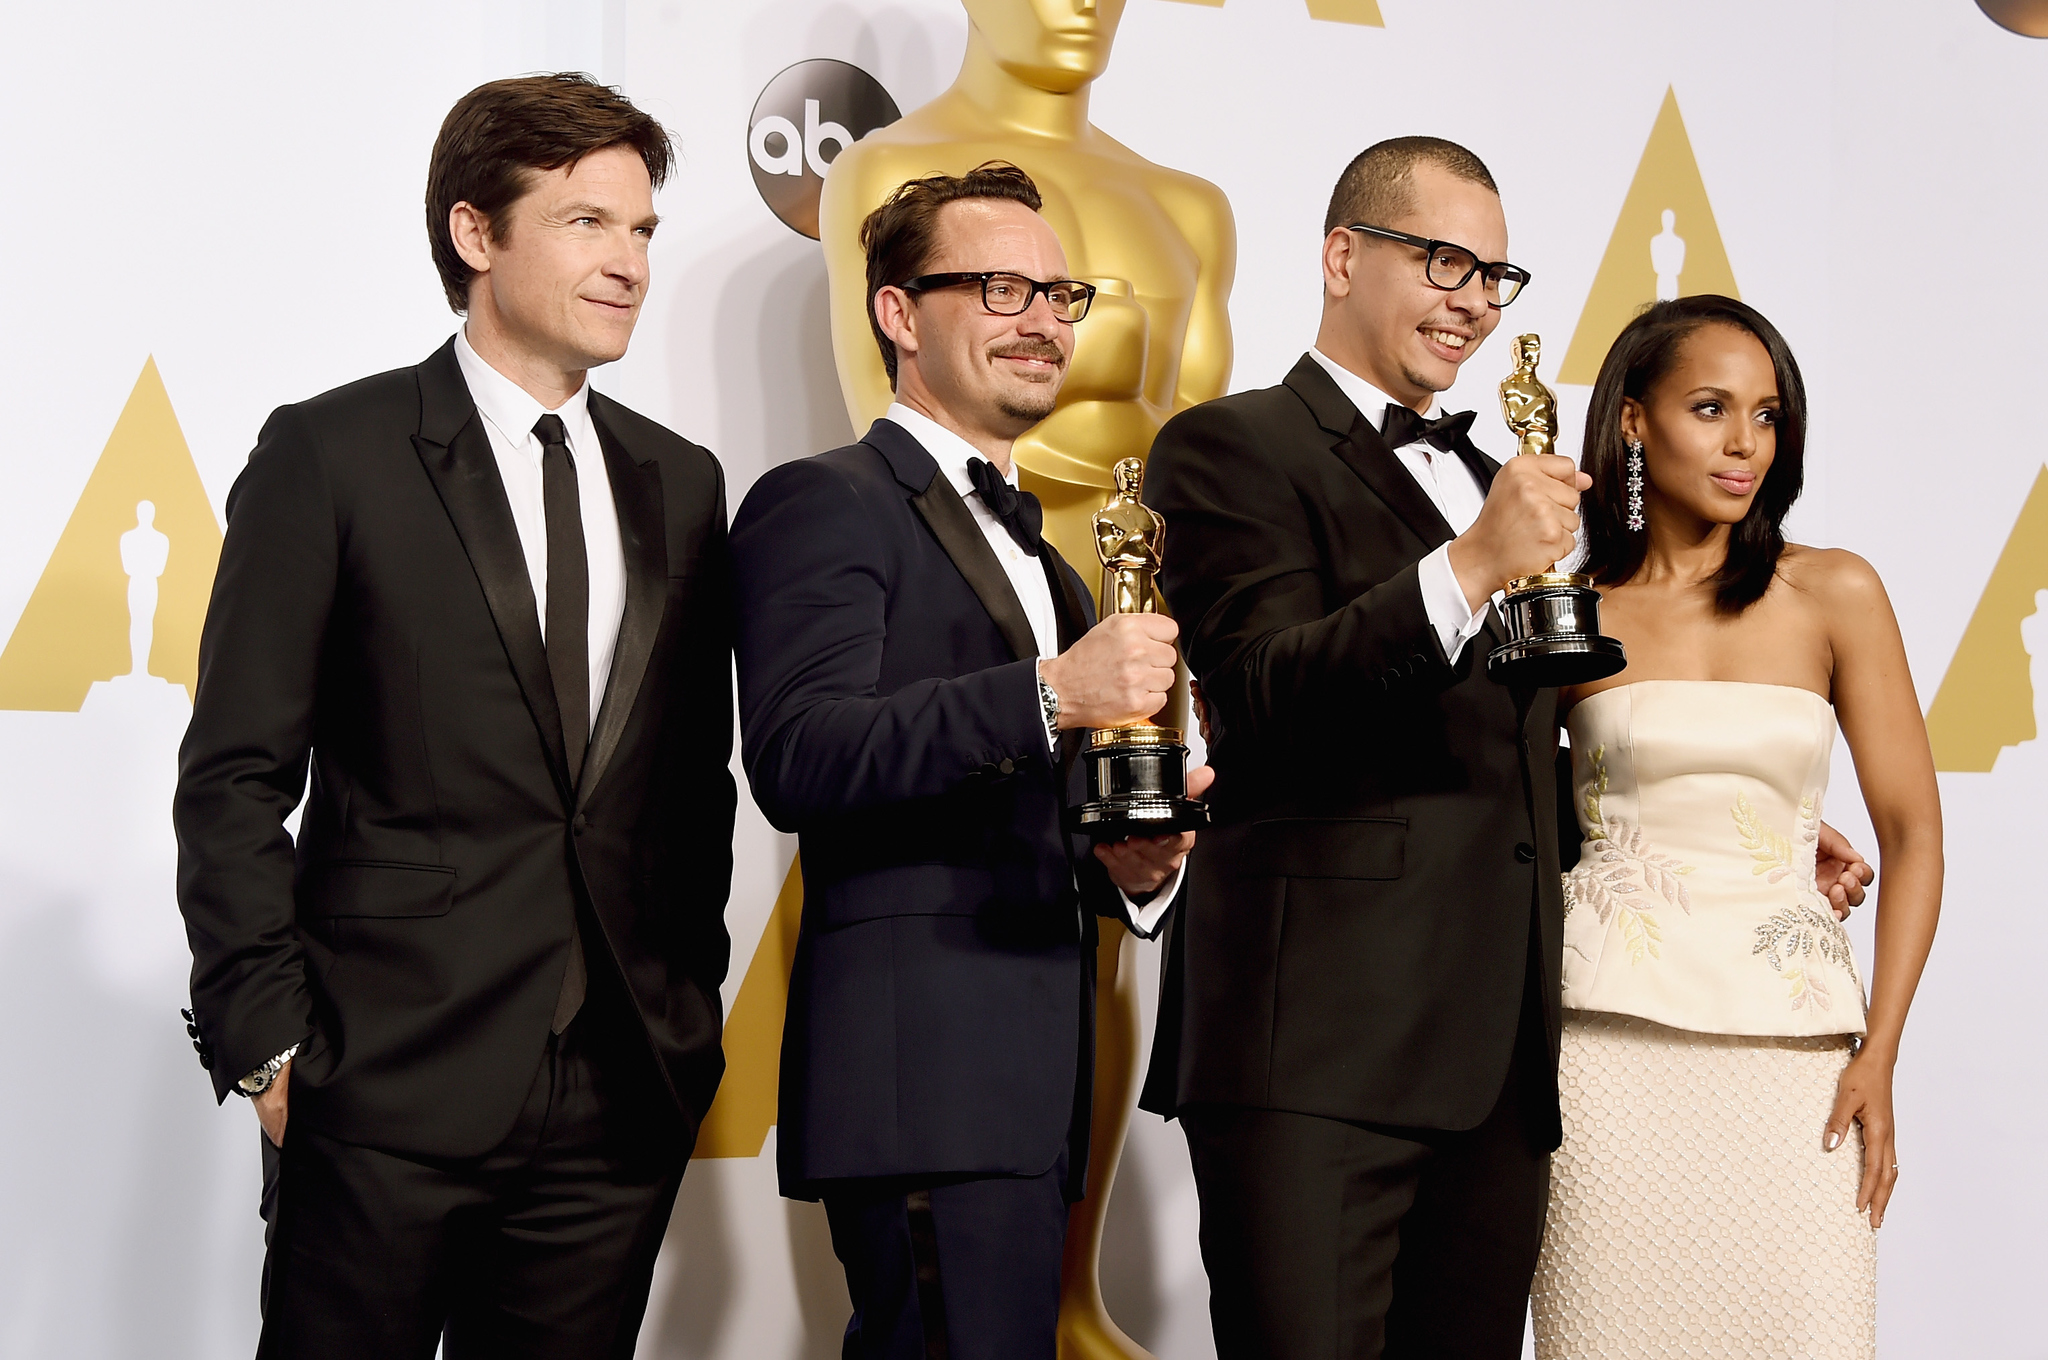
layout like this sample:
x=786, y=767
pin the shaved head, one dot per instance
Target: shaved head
x=1378, y=186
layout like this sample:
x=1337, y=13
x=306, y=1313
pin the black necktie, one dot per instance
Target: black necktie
x=568, y=644
x=1018, y=510
x=1403, y=427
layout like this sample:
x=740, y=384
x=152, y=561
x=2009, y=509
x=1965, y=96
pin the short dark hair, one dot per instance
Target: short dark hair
x=1378, y=187
x=901, y=235
x=499, y=134
x=1647, y=349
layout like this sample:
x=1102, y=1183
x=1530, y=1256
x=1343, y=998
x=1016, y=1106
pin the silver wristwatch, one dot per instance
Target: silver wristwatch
x=259, y=1081
x=1049, y=703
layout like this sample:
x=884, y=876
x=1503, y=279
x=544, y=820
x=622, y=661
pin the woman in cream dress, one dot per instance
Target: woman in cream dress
x=1728, y=1149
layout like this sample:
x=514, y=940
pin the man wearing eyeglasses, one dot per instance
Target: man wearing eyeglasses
x=1360, y=1015
x=916, y=665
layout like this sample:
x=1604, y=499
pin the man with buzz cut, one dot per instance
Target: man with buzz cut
x=1360, y=1012
x=916, y=664
x=490, y=607
x=1360, y=1035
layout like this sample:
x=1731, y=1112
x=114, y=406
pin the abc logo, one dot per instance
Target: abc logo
x=808, y=115
x=2028, y=18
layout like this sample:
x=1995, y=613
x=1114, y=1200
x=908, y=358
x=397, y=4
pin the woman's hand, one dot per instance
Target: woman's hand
x=1840, y=872
x=1864, y=1096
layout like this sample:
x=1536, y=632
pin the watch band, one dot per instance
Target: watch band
x=1048, y=703
x=260, y=1080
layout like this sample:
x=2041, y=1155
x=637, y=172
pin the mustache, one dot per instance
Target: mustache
x=1030, y=349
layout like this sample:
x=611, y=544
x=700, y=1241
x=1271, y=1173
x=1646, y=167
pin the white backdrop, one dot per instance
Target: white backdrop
x=235, y=190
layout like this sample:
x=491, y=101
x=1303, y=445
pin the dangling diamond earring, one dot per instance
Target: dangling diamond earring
x=1635, y=485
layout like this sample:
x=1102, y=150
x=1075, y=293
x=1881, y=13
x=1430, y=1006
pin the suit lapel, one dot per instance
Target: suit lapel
x=952, y=524
x=1075, y=616
x=457, y=455
x=1365, y=453
x=636, y=494
x=1069, y=605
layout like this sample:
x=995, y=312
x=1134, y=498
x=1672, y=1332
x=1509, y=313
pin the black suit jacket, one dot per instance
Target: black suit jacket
x=373, y=609
x=941, y=1002
x=1355, y=937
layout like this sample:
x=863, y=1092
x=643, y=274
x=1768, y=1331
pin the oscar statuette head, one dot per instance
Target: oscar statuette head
x=1056, y=45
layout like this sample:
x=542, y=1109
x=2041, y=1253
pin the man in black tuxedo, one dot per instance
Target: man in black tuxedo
x=1360, y=1018
x=916, y=665
x=492, y=607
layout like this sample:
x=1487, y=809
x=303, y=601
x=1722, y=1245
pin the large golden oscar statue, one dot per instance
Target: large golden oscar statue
x=1161, y=247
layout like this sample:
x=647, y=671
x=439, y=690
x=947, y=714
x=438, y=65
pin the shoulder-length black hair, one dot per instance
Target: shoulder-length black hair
x=1643, y=353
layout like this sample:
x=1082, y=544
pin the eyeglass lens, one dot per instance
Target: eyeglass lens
x=1011, y=294
x=1451, y=266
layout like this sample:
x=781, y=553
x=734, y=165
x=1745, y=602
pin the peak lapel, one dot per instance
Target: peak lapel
x=456, y=453
x=636, y=492
x=1355, y=440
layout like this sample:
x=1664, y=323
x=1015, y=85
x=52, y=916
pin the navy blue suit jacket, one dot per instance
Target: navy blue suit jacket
x=941, y=1005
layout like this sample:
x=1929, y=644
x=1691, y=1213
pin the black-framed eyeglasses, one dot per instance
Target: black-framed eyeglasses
x=1451, y=266
x=1012, y=294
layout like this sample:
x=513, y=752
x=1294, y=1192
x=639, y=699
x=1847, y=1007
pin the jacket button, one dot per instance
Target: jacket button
x=1525, y=852
x=580, y=825
x=1006, y=766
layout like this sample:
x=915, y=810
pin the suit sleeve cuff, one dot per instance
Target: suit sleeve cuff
x=1146, y=920
x=1443, y=599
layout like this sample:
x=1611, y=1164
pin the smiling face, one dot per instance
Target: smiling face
x=986, y=376
x=1056, y=45
x=561, y=279
x=1392, y=326
x=1709, y=428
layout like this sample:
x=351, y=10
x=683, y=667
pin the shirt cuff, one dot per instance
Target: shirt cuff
x=1443, y=599
x=1145, y=920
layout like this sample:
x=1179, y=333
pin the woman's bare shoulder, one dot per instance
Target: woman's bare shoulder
x=1834, y=578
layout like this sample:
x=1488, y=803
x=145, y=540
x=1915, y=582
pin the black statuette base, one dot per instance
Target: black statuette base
x=1136, y=788
x=1554, y=638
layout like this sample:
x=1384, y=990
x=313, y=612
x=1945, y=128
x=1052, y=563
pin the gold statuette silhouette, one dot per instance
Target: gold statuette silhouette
x=1552, y=617
x=1161, y=247
x=1137, y=773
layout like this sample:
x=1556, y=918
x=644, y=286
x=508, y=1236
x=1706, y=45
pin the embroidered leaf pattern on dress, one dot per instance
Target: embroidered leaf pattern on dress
x=1620, y=875
x=1771, y=851
x=1792, y=936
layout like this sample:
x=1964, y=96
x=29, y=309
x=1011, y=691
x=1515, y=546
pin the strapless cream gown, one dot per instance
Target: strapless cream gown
x=1711, y=1001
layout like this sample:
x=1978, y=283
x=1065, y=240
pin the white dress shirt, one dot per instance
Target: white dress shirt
x=509, y=414
x=1027, y=579
x=1451, y=488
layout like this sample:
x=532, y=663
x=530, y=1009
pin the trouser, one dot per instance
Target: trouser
x=951, y=1268
x=1341, y=1241
x=543, y=1247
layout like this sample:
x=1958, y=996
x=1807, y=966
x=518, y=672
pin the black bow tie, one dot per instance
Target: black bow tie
x=1018, y=510
x=1403, y=427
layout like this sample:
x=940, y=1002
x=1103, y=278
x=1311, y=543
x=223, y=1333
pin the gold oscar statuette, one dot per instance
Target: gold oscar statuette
x=1552, y=617
x=1137, y=774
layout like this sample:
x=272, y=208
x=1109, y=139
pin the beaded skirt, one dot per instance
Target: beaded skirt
x=1692, y=1210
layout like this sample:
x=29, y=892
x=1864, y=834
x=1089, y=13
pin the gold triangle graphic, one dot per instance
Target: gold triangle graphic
x=1667, y=180
x=75, y=628
x=1986, y=701
x=739, y=1119
x=1366, y=12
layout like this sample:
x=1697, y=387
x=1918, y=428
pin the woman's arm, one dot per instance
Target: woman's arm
x=1880, y=717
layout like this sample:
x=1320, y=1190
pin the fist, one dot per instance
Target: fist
x=1118, y=673
x=1528, y=522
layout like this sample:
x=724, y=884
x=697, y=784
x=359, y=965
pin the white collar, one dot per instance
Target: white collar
x=948, y=450
x=509, y=406
x=1370, y=401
